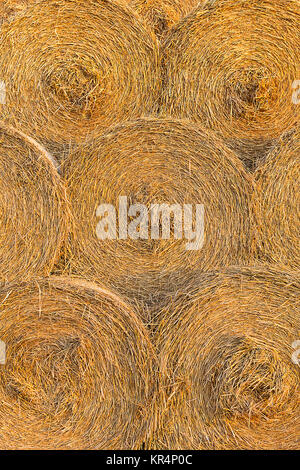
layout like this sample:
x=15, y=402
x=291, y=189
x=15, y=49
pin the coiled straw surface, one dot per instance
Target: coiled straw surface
x=228, y=380
x=161, y=15
x=9, y=8
x=34, y=215
x=231, y=65
x=153, y=161
x=277, y=203
x=75, y=66
x=77, y=368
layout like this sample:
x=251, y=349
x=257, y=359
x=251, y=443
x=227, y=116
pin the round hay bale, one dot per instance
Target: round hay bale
x=277, y=203
x=153, y=161
x=65, y=80
x=34, y=214
x=231, y=65
x=78, y=368
x=161, y=15
x=228, y=379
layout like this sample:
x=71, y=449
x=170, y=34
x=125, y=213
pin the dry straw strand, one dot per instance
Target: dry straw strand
x=227, y=377
x=231, y=65
x=66, y=80
x=78, y=368
x=153, y=161
x=34, y=213
x=161, y=15
x=277, y=203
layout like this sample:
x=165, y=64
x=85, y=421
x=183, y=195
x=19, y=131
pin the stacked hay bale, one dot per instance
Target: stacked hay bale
x=78, y=368
x=277, y=203
x=34, y=214
x=231, y=66
x=225, y=353
x=65, y=86
x=153, y=161
x=161, y=15
x=159, y=210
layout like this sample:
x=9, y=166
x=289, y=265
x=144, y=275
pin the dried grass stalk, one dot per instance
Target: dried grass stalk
x=231, y=65
x=227, y=376
x=277, y=203
x=77, y=373
x=161, y=15
x=34, y=214
x=153, y=161
x=72, y=67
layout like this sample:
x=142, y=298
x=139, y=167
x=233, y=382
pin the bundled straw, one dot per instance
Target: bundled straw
x=77, y=368
x=277, y=203
x=75, y=66
x=228, y=380
x=231, y=65
x=153, y=161
x=162, y=14
x=10, y=8
x=34, y=217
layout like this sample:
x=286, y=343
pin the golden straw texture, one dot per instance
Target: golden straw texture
x=77, y=372
x=10, y=8
x=153, y=161
x=34, y=214
x=277, y=203
x=228, y=380
x=161, y=15
x=72, y=67
x=231, y=65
